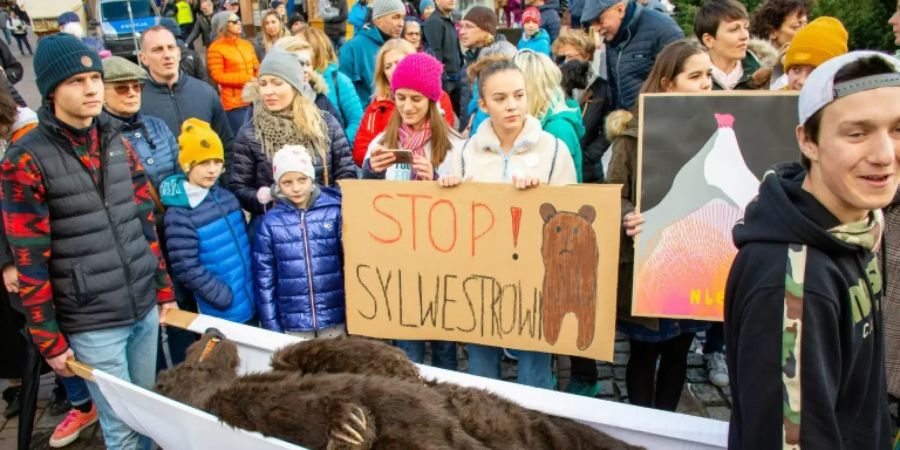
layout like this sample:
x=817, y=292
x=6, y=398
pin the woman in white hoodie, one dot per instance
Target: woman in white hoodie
x=510, y=147
x=424, y=140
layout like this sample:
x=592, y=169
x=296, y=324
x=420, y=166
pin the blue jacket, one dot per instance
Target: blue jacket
x=357, y=61
x=357, y=16
x=343, y=96
x=540, y=42
x=629, y=62
x=298, y=265
x=208, y=249
x=550, y=19
x=155, y=145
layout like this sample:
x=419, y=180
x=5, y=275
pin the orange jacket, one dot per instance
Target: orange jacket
x=232, y=64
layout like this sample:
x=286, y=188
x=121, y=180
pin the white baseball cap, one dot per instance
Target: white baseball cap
x=820, y=90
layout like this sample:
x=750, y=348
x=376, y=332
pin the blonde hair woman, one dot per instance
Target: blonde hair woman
x=547, y=102
x=341, y=91
x=272, y=30
x=284, y=114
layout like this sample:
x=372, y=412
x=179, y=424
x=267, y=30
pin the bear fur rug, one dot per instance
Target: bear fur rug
x=359, y=394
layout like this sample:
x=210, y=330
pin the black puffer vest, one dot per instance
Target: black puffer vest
x=101, y=266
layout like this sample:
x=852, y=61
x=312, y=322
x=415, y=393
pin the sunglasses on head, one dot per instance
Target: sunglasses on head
x=124, y=89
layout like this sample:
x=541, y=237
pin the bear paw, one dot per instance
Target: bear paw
x=353, y=430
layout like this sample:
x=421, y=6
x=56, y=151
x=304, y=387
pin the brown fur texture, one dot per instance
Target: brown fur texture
x=345, y=355
x=311, y=410
x=379, y=403
x=571, y=258
x=196, y=379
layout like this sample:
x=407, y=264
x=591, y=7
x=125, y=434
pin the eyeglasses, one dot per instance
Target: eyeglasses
x=124, y=89
x=234, y=21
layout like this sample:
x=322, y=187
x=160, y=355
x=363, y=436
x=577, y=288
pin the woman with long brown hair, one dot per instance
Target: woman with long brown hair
x=415, y=145
x=681, y=67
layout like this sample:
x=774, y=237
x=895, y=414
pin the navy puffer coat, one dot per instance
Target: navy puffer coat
x=250, y=169
x=298, y=265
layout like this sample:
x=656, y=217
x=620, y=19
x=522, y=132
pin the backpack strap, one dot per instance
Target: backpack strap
x=553, y=162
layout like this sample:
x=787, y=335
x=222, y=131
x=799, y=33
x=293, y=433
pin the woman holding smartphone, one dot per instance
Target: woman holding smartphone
x=415, y=145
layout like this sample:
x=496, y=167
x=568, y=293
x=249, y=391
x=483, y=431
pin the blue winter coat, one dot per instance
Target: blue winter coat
x=209, y=252
x=540, y=42
x=343, y=96
x=298, y=265
x=629, y=62
x=357, y=60
x=155, y=145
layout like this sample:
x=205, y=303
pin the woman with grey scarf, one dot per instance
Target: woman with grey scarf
x=284, y=113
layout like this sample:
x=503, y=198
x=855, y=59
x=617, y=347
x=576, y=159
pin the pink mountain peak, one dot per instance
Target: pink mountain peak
x=725, y=120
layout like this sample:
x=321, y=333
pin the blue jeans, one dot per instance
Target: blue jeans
x=236, y=117
x=128, y=353
x=534, y=368
x=76, y=390
x=443, y=354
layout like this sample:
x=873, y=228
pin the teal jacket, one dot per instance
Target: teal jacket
x=540, y=42
x=357, y=60
x=342, y=95
x=566, y=126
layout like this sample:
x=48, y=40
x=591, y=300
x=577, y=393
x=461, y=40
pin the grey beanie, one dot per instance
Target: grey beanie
x=382, y=8
x=218, y=21
x=284, y=65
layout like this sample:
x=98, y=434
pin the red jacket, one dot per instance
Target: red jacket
x=375, y=119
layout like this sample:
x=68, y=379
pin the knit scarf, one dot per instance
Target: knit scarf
x=414, y=140
x=865, y=233
x=274, y=130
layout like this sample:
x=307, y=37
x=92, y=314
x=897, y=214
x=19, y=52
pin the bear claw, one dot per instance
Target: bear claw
x=352, y=433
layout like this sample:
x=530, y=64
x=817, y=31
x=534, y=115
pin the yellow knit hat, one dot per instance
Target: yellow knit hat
x=821, y=40
x=198, y=143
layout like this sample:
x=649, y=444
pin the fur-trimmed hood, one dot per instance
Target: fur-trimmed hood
x=766, y=53
x=621, y=123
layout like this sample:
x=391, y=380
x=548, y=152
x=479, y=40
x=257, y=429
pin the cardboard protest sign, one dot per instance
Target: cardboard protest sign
x=483, y=263
x=697, y=174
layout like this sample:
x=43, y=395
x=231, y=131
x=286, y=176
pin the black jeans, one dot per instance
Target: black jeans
x=660, y=389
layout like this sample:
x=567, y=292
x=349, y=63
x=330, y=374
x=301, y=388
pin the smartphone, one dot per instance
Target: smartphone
x=402, y=156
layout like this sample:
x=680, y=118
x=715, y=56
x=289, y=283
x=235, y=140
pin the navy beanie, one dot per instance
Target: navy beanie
x=59, y=57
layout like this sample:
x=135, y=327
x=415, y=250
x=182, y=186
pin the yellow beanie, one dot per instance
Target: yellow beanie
x=821, y=40
x=198, y=143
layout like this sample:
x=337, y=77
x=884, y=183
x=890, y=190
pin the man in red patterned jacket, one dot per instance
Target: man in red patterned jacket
x=79, y=218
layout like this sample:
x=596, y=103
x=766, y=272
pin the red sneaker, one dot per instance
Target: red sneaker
x=70, y=427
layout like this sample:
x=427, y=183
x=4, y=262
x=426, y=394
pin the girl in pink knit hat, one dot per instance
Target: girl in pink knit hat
x=416, y=145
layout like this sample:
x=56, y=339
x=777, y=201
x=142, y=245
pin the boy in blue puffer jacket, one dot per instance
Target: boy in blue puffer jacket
x=298, y=261
x=206, y=235
x=534, y=37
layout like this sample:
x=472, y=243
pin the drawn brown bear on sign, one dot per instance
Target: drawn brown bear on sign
x=570, y=257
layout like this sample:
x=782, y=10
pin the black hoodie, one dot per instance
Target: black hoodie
x=836, y=305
